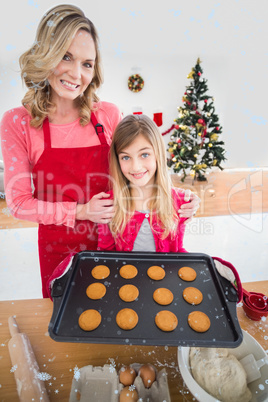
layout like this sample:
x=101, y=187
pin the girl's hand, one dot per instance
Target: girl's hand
x=99, y=209
x=189, y=210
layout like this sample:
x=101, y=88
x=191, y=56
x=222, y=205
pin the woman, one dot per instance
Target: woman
x=60, y=139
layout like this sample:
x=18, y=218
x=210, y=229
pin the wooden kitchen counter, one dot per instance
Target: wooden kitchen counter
x=60, y=359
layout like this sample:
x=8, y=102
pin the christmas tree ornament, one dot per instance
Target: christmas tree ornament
x=214, y=137
x=135, y=83
x=196, y=131
x=191, y=74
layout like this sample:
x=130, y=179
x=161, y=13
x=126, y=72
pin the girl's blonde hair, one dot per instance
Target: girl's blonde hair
x=161, y=203
x=54, y=35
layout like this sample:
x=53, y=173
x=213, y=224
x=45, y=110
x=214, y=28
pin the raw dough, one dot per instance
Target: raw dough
x=220, y=374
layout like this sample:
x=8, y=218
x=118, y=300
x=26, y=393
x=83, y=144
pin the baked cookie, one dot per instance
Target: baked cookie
x=128, y=293
x=187, y=274
x=96, y=291
x=198, y=321
x=128, y=271
x=163, y=296
x=127, y=318
x=156, y=273
x=100, y=272
x=166, y=320
x=89, y=320
x=192, y=295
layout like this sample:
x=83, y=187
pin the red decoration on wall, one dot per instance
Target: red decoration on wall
x=158, y=119
x=168, y=131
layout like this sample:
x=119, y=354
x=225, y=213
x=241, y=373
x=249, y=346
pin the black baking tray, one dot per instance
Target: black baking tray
x=219, y=301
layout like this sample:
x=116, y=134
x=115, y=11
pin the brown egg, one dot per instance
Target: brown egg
x=127, y=375
x=147, y=374
x=128, y=395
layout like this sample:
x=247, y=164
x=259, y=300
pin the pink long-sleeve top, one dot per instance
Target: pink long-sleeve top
x=106, y=241
x=22, y=145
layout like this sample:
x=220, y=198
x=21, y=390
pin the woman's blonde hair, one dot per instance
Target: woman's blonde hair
x=161, y=203
x=54, y=35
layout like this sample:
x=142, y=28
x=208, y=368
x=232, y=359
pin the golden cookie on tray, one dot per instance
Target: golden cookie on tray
x=156, y=273
x=187, y=274
x=96, y=291
x=163, y=296
x=128, y=293
x=100, y=272
x=89, y=320
x=128, y=271
x=198, y=321
x=127, y=318
x=166, y=320
x=192, y=296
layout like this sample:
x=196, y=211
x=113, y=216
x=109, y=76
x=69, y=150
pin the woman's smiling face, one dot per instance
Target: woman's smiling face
x=138, y=162
x=75, y=72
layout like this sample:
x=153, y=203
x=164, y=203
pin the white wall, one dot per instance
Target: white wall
x=163, y=42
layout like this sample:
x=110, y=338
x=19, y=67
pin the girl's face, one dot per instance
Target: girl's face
x=74, y=73
x=138, y=162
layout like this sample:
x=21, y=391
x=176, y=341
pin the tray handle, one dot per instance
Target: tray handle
x=238, y=285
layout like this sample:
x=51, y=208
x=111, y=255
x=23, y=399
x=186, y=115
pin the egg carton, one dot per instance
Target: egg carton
x=101, y=383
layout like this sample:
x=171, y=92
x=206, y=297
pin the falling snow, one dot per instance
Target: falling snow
x=14, y=368
x=132, y=387
x=6, y=211
x=43, y=376
x=112, y=366
x=76, y=373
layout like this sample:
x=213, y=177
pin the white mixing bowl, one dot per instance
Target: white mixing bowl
x=258, y=388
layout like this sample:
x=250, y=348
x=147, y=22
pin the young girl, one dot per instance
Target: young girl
x=146, y=205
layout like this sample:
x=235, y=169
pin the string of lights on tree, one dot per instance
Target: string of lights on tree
x=194, y=145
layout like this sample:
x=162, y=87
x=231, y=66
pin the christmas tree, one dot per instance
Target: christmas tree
x=195, y=146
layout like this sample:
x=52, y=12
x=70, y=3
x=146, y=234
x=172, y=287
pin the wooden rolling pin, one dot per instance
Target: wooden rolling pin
x=26, y=370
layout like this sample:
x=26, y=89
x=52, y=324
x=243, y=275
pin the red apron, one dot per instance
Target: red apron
x=68, y=174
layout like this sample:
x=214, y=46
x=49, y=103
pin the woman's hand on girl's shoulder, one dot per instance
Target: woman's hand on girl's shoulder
x=99, y=209
x=188, y=210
